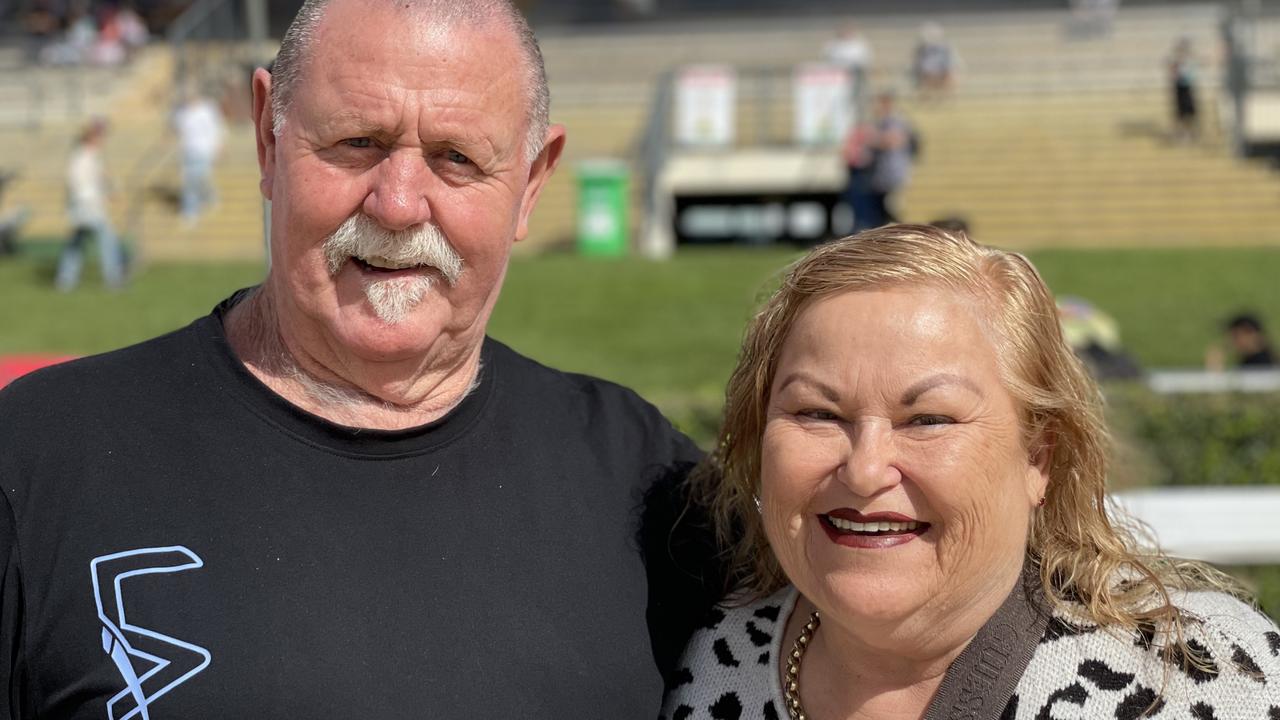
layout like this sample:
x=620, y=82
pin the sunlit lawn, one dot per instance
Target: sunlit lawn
x=668, y=329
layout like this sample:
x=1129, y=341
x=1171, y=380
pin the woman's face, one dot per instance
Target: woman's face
x=896, y=489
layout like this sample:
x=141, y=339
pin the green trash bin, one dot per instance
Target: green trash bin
x=603, y=197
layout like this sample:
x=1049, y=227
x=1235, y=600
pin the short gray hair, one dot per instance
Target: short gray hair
x=296, y=45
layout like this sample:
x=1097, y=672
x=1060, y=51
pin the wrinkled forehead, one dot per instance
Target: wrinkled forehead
x=406, y=38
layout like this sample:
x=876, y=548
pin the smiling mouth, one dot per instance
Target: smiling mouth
x=873, y=527
x=378, y=264
x=869, y=532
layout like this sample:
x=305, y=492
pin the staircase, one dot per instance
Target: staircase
x=142, y=160
x=1087, y=170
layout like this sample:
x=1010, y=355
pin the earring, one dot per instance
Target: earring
x=1039, y=504
x=759, y=509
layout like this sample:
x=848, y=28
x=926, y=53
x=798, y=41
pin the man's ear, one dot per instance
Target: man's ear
x=264, y=130
x=539, y=172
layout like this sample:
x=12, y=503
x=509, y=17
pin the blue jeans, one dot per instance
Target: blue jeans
x=197, y=185
x=71, y=261
x=867, y=213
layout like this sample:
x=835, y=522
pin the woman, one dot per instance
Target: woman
x=910, y=484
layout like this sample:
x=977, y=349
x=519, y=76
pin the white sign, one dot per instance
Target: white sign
x=822, y=104
x=705, y=97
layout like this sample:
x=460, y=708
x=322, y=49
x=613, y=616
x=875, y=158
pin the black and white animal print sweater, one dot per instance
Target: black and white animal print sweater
x=730, y=668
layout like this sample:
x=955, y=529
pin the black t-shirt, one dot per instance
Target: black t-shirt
x=174, y=536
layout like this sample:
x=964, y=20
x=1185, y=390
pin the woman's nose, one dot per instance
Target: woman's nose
x=869, y=468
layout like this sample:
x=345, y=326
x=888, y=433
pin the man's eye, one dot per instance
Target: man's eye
x=454, y=156
x=931, y=420
x=360, y=142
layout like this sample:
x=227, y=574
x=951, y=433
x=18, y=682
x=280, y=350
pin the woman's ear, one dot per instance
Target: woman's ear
x=1039, y=462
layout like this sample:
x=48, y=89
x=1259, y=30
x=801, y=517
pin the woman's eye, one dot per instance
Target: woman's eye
x=360, y=142
x=816, y=414
x=931, y=420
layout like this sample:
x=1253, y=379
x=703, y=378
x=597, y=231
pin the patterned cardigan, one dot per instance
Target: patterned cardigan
x=730, y=668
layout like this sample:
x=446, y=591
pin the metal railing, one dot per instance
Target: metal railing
x=651, y=151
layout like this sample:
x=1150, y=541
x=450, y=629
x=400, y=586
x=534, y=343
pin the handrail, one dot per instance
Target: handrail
x=654, y=145
x=159, y=153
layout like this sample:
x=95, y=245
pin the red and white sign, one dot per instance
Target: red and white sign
x=822, y=105
x=704, y=112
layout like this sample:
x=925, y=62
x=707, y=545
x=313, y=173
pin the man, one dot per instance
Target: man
x=893, y=143
x=88, y=189
x=334, y=497
x=1249, y=341
x=199, y=127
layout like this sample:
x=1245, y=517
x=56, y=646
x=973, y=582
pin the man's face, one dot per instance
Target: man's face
x=397, y=128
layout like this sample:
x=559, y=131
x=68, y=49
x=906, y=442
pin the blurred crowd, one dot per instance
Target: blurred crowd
x=98, y=32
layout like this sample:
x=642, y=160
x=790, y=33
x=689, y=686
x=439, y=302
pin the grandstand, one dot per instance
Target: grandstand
x=1049, y=139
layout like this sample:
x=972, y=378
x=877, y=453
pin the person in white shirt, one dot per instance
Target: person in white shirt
x=88, y=189
x=851, y=51
x=198, y=123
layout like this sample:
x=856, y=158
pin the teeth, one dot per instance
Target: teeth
x=870, y=527
x=385, y=263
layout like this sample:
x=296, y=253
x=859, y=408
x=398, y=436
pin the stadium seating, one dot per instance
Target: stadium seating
x=1048, y=140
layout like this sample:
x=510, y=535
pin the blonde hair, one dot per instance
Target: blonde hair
x=1088, y=564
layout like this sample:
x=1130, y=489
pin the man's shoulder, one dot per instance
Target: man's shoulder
x=606, y=413
x=534, y=378
x=130, y=374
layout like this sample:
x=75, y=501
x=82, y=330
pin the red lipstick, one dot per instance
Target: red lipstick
x=868, y=539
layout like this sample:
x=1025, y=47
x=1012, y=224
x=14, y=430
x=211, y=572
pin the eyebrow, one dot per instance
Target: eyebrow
x=801, y=376
x=914, y=392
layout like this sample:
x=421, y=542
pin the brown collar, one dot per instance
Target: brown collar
x=981, y=680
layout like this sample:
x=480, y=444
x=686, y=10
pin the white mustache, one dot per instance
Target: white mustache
x=360, y=236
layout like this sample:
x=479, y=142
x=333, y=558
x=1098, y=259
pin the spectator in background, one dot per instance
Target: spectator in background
x=1249, y=340
x=933, y=68
x=893, y=142
x=1094, y=336
x=42, y=18
x=77, y=42
x=11, y=221
x=120, y=33
x=851, y=51
x=133, y=29
x=198, y=124
x=88, y=189
x=859, y=160
x=1182, y=76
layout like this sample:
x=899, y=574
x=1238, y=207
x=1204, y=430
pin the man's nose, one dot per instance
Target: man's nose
x=869, y=465
x=397, y=199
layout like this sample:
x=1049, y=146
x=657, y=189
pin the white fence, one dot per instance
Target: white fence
x=1237, y=525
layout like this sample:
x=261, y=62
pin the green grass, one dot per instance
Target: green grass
x=1263, y=584
x=671, y=330
x=1170, y=303
x=35, y=318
